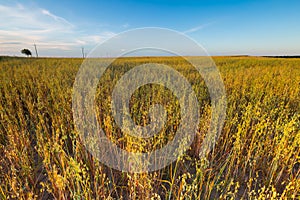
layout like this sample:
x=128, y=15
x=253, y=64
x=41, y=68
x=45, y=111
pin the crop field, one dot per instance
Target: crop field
x=257, y=155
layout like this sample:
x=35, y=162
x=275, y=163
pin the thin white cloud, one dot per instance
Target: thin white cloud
x=197, y=28
x=97, y=38
x=126, y=25
x=30, y=18
x=21, y=26
x=56, y=18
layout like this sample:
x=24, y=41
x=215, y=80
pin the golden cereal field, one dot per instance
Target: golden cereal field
x=257, y=155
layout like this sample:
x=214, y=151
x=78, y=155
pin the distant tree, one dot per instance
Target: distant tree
x=27, y=52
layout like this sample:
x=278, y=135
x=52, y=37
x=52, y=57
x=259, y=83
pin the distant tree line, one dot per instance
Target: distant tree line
x=296, y=56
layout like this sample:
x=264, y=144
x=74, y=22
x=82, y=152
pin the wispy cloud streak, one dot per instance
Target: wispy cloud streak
x=21, y=26
x=197, y=28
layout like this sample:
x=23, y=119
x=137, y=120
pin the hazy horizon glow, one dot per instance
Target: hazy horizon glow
x=62, y=28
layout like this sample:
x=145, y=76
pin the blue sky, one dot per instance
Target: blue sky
x=228, y=27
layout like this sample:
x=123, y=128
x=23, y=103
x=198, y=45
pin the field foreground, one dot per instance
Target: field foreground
x=257, y=155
